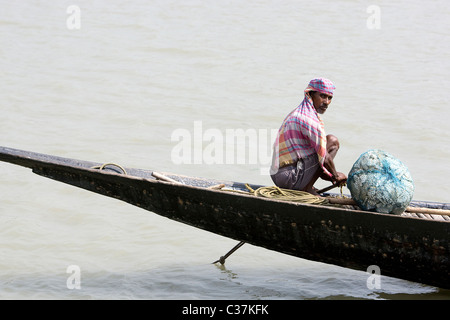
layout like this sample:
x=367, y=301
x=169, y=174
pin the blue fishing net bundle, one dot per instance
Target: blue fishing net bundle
x=380, y=182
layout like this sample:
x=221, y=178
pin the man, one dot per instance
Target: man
x=302, y=151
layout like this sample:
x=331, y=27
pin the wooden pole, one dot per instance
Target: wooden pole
x=428, y=210
x=164, y=178
x=348, y=201
x=223, y=258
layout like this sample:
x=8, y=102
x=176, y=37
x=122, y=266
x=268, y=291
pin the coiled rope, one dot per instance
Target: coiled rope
x=110, y=164
x=275, y=192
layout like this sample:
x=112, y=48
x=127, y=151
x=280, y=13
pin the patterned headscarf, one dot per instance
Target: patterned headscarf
x=322, y=85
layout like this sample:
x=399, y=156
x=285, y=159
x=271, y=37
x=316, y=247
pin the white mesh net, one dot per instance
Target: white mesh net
x=380, y=182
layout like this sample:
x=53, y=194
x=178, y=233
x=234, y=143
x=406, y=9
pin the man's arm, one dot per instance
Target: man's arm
x=337, y=177
x=332, y=149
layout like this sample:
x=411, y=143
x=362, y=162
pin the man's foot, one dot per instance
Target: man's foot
x=313, y=191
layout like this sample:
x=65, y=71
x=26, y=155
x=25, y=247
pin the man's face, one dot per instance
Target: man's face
x=321, y=101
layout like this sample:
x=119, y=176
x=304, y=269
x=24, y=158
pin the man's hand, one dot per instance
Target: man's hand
x=339, y=179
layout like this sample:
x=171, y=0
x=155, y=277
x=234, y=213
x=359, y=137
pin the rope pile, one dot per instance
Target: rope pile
x=288, y=195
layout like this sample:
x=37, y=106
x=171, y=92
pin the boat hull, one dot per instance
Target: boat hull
x=402, y=247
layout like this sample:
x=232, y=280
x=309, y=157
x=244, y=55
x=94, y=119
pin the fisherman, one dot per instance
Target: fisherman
x=302, y=151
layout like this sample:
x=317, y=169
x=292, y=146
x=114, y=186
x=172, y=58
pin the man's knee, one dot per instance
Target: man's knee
x=332, y=142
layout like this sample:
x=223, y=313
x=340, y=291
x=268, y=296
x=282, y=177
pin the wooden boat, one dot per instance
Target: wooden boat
x=411, y=246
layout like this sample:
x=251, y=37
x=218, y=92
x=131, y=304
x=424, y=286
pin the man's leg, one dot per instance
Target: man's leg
x=310, y=186
x=332, y=149
x=332, y=146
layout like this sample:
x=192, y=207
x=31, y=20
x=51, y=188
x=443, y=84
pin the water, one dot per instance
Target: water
x=117, y=89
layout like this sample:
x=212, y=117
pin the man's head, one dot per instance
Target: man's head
x=321, y=92
x=320, y=101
